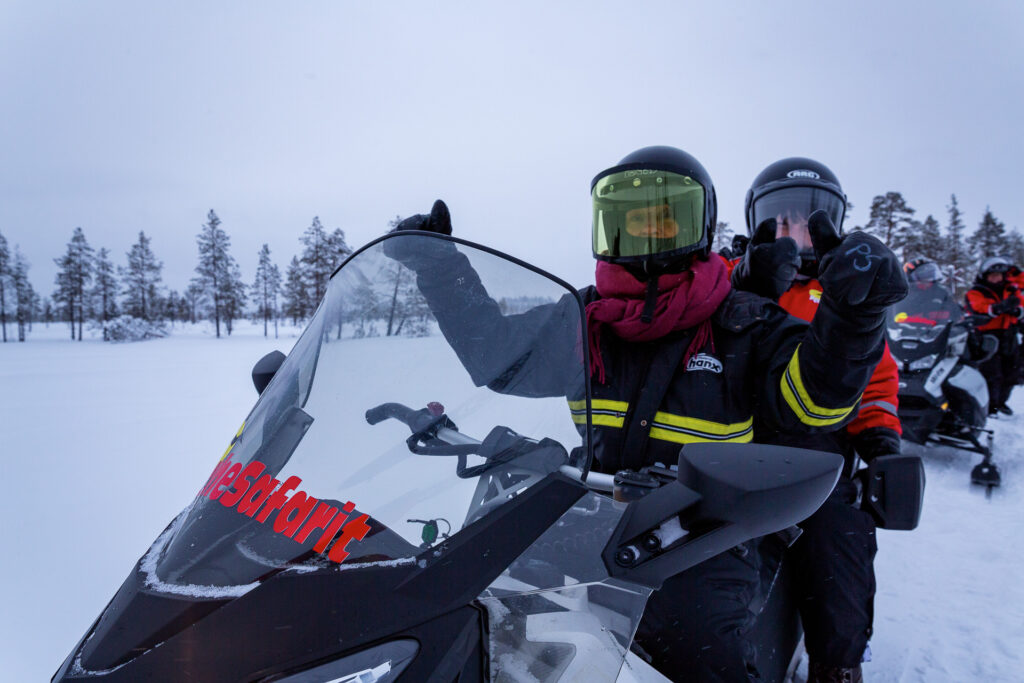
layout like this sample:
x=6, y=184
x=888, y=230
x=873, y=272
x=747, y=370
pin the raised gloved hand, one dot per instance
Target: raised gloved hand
x=438, y=220
x=769, y=264
x=417, y=254
x=1008, y=305
x=859, y=275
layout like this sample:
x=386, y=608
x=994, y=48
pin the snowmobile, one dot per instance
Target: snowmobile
x=346, y=536
x=943, y=399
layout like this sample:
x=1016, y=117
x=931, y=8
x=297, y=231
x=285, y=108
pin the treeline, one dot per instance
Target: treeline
x=958, y=253
x=90, y=289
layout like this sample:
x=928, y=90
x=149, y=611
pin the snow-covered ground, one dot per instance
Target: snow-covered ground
x=104, y=444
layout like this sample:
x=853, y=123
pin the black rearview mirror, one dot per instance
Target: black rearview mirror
x=265, y=369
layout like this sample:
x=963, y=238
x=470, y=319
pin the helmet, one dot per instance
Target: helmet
x=739, y=245
x=922, y=270
x=794, y=188
x=654, y=209
x=994, y=264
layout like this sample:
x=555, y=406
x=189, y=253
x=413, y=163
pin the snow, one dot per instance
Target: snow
x=105, y=444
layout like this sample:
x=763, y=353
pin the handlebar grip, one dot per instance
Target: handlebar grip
x=387, y=410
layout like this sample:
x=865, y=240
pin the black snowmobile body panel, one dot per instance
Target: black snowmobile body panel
x=293, y=620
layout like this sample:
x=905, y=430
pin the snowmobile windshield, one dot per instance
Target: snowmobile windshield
x=792, y=206
x=642, y=213
x=359, y=451
x=926, y=312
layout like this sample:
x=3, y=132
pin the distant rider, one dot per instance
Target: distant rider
x=998, y=299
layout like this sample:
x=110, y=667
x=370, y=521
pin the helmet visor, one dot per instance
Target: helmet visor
x=791, y=207
x=643, y=212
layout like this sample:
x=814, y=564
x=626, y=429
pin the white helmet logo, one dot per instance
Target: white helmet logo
x=803, y=173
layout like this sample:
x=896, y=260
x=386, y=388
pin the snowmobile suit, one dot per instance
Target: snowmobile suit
x=835, y=554
x=1001, y=370
x=760, y=362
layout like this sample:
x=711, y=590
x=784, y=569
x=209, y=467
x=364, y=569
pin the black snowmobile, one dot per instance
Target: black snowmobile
x=943, y=398
x=344, y=536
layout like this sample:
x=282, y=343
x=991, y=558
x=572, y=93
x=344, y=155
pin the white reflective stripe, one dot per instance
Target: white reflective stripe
x=884, y=405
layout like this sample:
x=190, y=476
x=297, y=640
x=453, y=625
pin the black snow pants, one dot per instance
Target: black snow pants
x=694, y=628
x=834, y=561
x=1001, y=370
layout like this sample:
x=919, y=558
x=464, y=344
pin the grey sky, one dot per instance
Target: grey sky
x=119, y=116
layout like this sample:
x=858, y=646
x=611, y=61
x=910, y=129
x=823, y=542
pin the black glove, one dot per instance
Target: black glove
x=858, y=274
x=876, y=441
x=420, y=254
x=769, y=264
x=438, y=220
x=1008, y=305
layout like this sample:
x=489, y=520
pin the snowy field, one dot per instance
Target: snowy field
x=105, y=444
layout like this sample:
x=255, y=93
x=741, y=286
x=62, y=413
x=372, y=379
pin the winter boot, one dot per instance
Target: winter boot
x=1004, y=409
x=823, y=673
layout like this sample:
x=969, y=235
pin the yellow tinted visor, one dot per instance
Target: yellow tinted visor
x=644, y=212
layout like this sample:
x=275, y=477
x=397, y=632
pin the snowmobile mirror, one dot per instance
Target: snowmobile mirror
x=725, y=494
x=265, y=369
x=893, y=491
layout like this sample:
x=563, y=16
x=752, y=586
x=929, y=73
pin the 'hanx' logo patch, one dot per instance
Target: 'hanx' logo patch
x=703, y=361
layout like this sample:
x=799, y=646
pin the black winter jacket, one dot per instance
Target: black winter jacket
x=765, y=364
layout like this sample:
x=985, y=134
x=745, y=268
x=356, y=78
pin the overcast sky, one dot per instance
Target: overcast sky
x=123, y=116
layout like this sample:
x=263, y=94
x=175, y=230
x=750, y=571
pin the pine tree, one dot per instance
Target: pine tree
x=926, y=241
x=215, y=263
x=104, y=290
x=47, y=311
x=73, y=278
x=294, y=293
x=723, y=236
x=265, y=289
x=140, y=279
x=5, y=266
x=321, y=255
x=232, y=295
x=989, y=239
x=890, y=220
x=24, y=294
x=956, y=253
x=193, y=297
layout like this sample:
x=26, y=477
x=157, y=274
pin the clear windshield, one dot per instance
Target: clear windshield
x=309, y=482
x=924, y=314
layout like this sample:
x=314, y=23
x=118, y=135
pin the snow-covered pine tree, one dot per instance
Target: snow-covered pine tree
x=141, y=278
x=294, y=292
x=232, y=296
x=104, y=289
x=723, y=236
x=321, y=255
x=265, y=289
x=5, y=265
x=990, y=237
x=957, y=255
x=1015, y=247
x=214, y=269
x=73, y=279
x=24, y=294
x=890, y=220
x=47, y=311
x=193, y=297
x=925, y=240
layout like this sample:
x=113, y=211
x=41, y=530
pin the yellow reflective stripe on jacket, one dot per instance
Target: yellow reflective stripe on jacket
x=603, y=412
x=799, y=401
x=679, y=429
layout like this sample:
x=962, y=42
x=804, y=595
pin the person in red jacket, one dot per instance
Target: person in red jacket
x=835, y=553
x=997, y=297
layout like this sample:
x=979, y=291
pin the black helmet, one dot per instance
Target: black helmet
x=922, y=270
x=994, y=264
x=654, y=209
x=795, y=188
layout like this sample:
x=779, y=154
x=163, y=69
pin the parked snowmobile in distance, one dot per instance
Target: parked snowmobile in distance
x=943, y=399
x=344, y=536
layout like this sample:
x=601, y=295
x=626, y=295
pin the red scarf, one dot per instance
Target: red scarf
x=684, y=300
